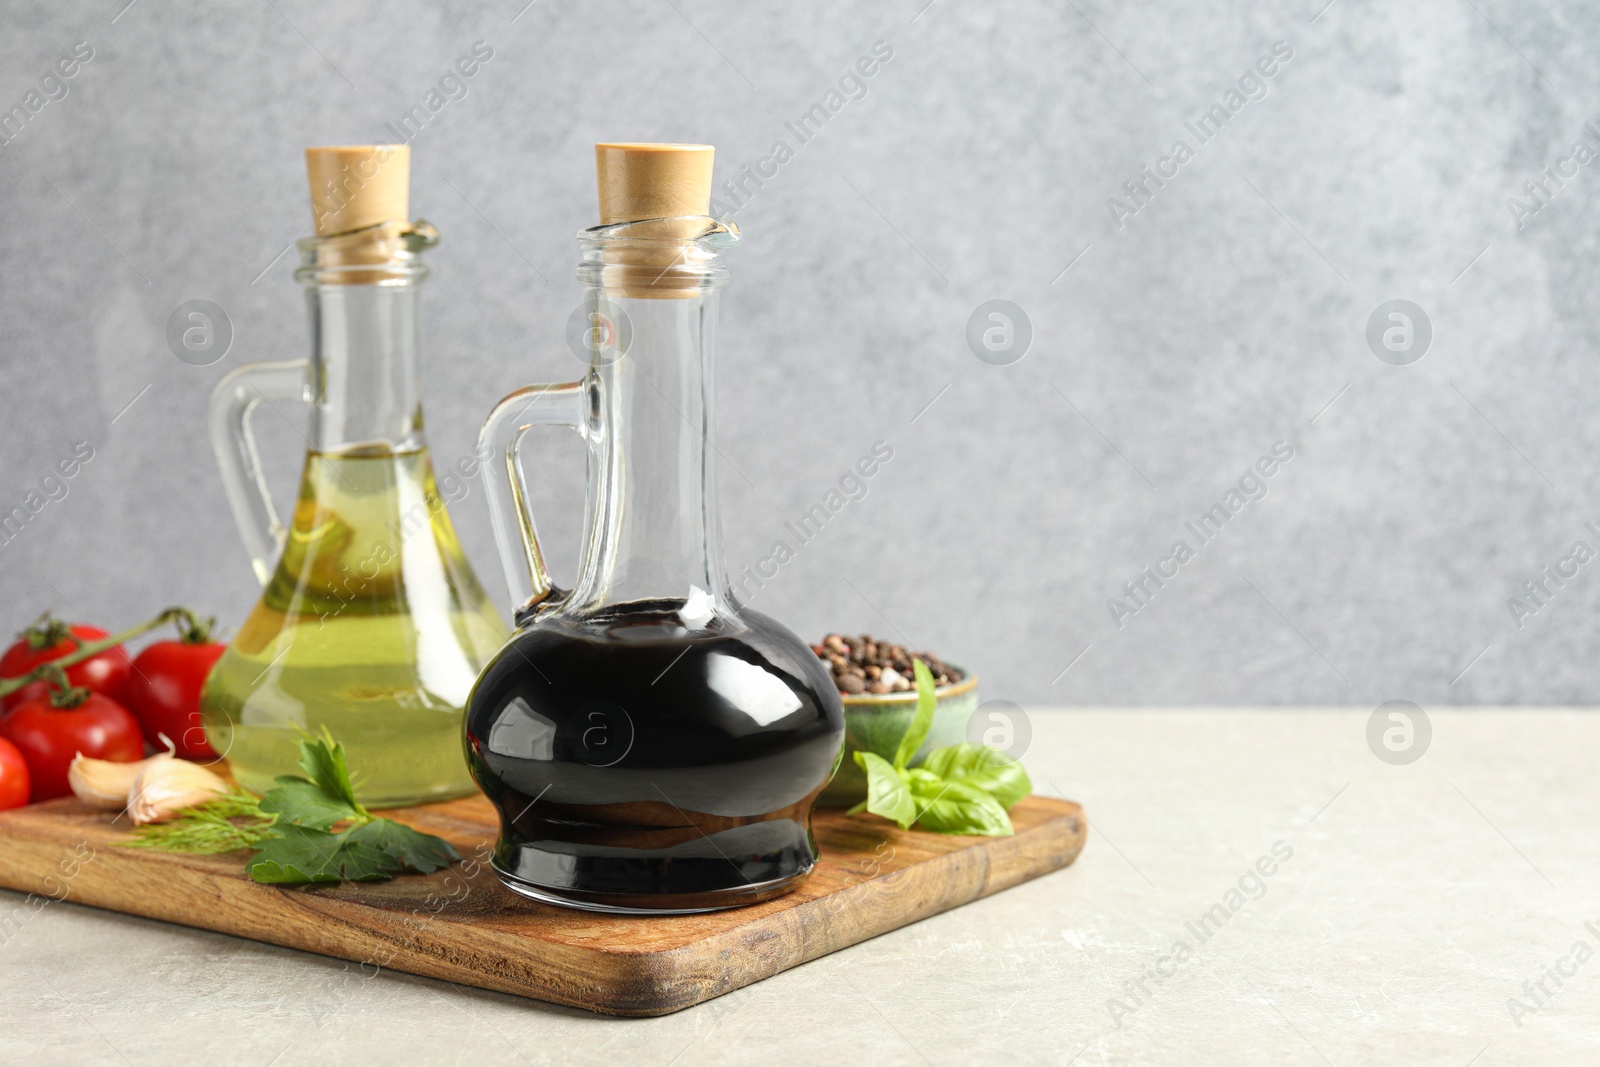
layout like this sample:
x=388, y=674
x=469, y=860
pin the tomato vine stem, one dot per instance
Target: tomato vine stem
x=187, y=625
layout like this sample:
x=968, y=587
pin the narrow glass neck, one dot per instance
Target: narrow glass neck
x=364, y=388
x=652, y=526
x=363, y=300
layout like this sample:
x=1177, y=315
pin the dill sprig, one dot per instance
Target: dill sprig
x=210, y=828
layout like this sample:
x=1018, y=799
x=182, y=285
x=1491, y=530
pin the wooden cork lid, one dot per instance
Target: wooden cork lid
x=652, y=181
x=360, y=204
x=355, y=186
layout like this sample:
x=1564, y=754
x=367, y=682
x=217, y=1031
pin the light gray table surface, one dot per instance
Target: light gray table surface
x=1416, y=903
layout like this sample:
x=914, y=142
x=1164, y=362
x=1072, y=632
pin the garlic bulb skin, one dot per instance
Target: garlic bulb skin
x=165, y=786
x=149, y=789
x=104, y=784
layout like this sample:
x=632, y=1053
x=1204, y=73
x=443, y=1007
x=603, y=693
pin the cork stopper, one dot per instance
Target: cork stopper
x=360, y=205
x=652, y=181
x=355, y=186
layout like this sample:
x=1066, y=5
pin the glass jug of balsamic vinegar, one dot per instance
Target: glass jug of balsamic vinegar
x=370, y=622
x=650, y=744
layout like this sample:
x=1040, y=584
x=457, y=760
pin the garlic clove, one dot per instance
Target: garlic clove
x=165, y=786
x=104, y=784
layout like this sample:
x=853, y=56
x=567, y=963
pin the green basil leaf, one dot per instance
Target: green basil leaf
x=922, y=721
x=418, y=851
x=988, y=769
x=887, y=792
x=303, y=803
x=954, y=808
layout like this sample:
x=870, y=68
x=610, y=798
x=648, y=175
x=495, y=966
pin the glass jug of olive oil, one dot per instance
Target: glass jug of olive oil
x=371, y=622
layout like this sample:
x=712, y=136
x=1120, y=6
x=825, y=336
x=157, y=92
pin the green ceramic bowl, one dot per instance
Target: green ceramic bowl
x=876, y=722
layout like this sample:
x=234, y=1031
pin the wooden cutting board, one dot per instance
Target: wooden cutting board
x=463, y=926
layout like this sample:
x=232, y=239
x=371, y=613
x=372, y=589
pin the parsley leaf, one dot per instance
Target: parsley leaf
x=322, y=758
x=296, y=855
x=304, y=803
x=414, y=849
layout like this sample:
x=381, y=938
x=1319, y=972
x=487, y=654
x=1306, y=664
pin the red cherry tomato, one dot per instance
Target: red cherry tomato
x=48, y=737
x=163, y=692
x=106, y=672
x=13, y=777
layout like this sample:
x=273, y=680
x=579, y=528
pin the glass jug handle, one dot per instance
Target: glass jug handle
x=233, y=400
x=500, y=443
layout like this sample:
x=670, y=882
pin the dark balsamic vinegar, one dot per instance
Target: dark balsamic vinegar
x=650, y=745
x=639, y=764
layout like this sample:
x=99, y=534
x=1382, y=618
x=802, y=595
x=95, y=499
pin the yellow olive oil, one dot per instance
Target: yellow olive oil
x=372, y=625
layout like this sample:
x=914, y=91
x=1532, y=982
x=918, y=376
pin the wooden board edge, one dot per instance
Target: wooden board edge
x=307, y=920
x=666, y=982
x=642, y=984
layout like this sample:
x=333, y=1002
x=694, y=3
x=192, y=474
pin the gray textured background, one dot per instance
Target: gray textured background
x=1228, y=314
